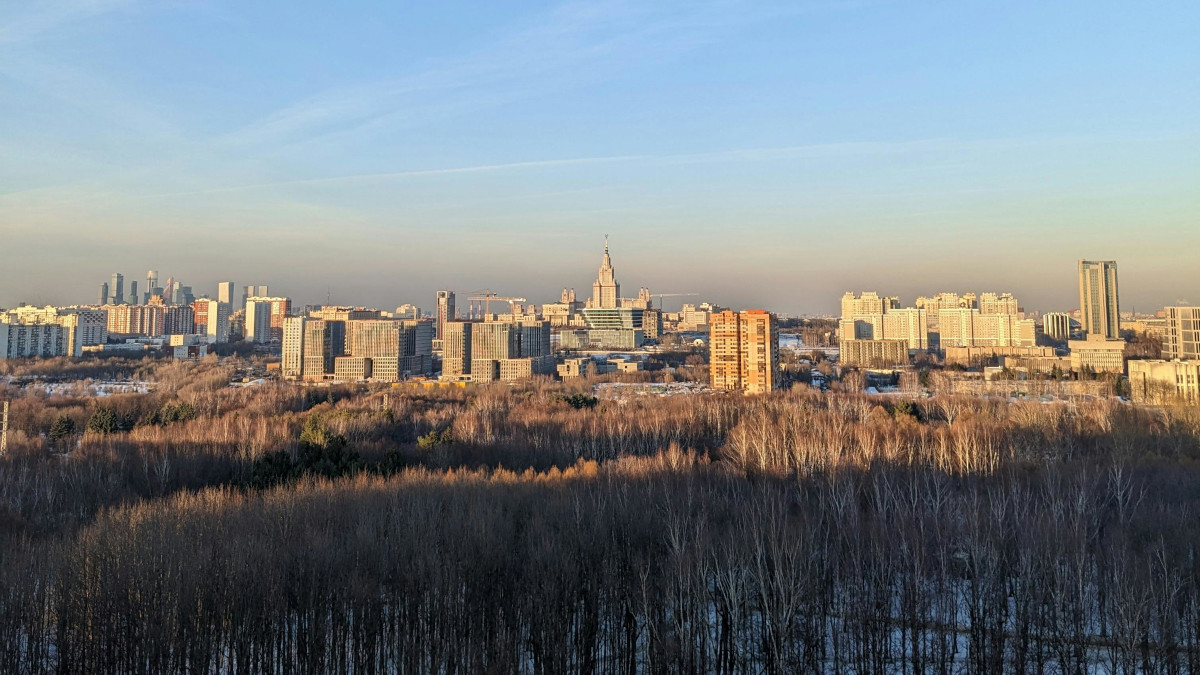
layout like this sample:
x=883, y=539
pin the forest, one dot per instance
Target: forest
x=208, y=528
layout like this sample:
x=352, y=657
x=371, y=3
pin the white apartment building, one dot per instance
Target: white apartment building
x=258, y=321
x=1182, y=337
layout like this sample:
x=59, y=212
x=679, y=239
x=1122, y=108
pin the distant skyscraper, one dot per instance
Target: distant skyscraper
x=262, y=291
x=606, y=292
x=116, y=288
x=103, y=294
x=225, y=292
x=445, y=312
x=151, y=284
x=133, y=296
x=1099, y=306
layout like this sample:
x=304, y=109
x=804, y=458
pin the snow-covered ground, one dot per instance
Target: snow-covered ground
x=625, y=390
x=792, y=341
x=91, y=387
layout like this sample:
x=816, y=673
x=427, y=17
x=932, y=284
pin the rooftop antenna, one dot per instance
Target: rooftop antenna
x=606, y=243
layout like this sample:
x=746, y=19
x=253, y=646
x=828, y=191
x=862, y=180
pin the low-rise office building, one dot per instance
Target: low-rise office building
x=1159, y=381
x=974, y=356
x=1097, y=354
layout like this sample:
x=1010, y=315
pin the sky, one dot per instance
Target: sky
x=759, y=154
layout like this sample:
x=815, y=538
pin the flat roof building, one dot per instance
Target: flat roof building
x=1181, y=338
x=874, y=353
x=1159, y=381
x=744, y=351
x=1099, y=304
x=1097, y=354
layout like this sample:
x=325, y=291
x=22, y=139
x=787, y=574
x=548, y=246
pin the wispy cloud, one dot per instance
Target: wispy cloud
x=417, y=173
x=24, y=22
x=574, y=44
x=948, y=147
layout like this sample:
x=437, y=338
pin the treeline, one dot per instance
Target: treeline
x=70, y=457
x=661, y=564
x=276, y=529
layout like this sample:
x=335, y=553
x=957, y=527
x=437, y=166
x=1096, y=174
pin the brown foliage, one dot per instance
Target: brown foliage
x=795, y=532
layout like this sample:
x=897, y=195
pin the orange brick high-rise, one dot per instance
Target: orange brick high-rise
x=744, y=351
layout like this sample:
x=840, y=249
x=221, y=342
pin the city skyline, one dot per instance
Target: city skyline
x=428, y=305
x=398, y=151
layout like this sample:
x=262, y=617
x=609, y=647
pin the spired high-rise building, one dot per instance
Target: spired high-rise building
x=1099, y=307
x=606, y=292
x=151, y=285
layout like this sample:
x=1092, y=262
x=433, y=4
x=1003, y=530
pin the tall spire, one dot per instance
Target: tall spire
x=606, y=292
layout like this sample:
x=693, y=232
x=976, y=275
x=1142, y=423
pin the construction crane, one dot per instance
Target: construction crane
x=483, y=299
x=660, y=296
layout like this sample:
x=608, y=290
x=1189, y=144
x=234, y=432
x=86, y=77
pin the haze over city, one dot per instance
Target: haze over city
x=625, y=336
x=378, y=151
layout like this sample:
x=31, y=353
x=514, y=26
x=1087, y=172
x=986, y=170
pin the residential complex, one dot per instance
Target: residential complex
x=150, y=320
x=258, y=321
x=83, y=326
x=264, y=317
x=315, y=348
x=692, y=318
x=874, y=353
x=987, y=320
x=975, y=328
x=211, y=319
x=26, y=340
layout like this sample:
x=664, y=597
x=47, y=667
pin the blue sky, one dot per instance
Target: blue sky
x=761, y=154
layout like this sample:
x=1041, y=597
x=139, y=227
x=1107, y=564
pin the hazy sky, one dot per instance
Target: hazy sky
x=761, y=154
